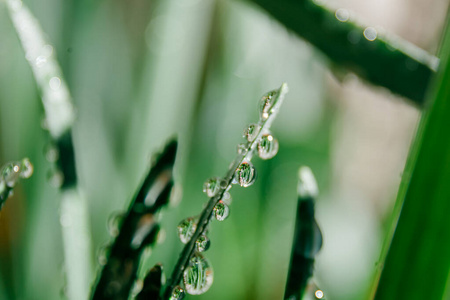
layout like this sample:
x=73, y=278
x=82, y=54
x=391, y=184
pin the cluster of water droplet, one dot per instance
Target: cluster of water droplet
x=198, y=275
x=11, y=173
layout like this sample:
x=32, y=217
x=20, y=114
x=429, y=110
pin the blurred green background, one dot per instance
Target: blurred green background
x=143, y=71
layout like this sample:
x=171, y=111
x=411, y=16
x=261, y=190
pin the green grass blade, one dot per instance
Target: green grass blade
x=382, y=61
x=418, y=261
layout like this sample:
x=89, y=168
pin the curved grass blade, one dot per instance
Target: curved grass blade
x=138, y=229
x=307, y=238
x=385, y=60
x=417, y=263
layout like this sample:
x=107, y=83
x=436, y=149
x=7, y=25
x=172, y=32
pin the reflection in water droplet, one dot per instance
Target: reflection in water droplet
x=370, y=33
x=202, y=244
x=267, y=146
x=177, y=293
x=26, y=168
x=198, y=277
x=114, y=223
x=319, y=294
x=226, y=198
x=186, y=229
x=11, y=174
x=221, y=211
x=242, y=149
x=342, y=15
x=212, y=186
x=245, y=174
x=266, y=103
x=40, y=61
x=251, y=132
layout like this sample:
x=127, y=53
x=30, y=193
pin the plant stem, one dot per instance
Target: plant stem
x=59, y=117
x=385, y=60
x=418, y=261
x=205, y=217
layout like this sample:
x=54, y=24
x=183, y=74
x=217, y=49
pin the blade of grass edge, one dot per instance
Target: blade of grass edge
x=418, y=256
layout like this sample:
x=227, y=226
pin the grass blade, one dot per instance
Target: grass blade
x=374, y=59
x=418, y=261
x=138, y=229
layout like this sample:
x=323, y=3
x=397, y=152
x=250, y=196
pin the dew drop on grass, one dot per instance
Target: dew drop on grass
x=198, y=277
x=266, y=103
x=252, y=132
x=226, y=198
x=177, y=293
x=10, y=174
x=186, y=229
x=114, y=223
x=221, y=211
x=27, y=168
x=242, y=149
x=245, y=174
x=202, y=244
x=267, y=146
x=212, y=186
x=103, y=253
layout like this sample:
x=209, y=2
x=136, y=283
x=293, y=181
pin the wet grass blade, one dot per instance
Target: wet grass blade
x=138, y=229
x=417, y=264
x=390, y=62
x=307, y=238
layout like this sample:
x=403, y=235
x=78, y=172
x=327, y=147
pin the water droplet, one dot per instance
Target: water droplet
x=55, y=83
x=342, y=15
x=267, y=146
x=319, y=294
x=177, y=293
x=55, y=178
x=103, y=253
x=221, y=211
x=251, y=132
x=40, y=61
x=198, y=277
x=266, y=103
x=370, y=33
x=212, y=186
x=202, y=243
x=242, y=149
x=10, y=174
x=245, y=174
x=186, y=229
x=51, y=153
x=114, y=223
x=27, y=168
x=226, y=198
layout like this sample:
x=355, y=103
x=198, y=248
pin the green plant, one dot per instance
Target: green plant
x=97, y=159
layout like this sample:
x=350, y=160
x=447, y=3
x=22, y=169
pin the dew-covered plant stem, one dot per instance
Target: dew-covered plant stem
x=307, y=239
x=245, y=153
x=377, y=56
x=10, y=174
x=137, y=229
x=59, y=118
